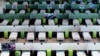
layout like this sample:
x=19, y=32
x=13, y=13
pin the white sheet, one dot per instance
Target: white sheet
x=25, y=53
x=60, y=36
x=30, y=36
x=41, y=53
x=13, y=36
x=5, y=53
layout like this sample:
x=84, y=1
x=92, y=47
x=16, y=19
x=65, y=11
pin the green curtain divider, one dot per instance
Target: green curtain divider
x=50, y=34
x=17, y=53
x=69, y=1
x=70, y=52
x=62, y=10
x=80, y=20
x=66, y=34
x=60, y=1
x=16, y=10
x=22, y=33
x=82, y=10
x=28, y=10
x=94, y=20
x=20, y=21
x=85, y=1
x=95, y=10
x=48, y=52
x=6, y=34
x=56, y=20
x=10, y=20
x=30, y=1
x=94, y=34
x=11, y=1
x=44, y=20
x=49, y=10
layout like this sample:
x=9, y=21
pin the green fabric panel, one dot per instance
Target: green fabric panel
x=94, y=34
x=50, y=34
x=70, y=52
x=44, y=20
x=48, y=52
x=5, y=34
x=56, y=20
x=22, y=33
x=10, y=21
x=94, y=20
x=80, y=20
x=17, y=53
x=66, y=34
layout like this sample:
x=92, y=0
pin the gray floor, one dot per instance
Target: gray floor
x=2, y=4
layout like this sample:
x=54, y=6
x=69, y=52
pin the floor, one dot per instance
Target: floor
x=2, y=4
x=53, y=40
